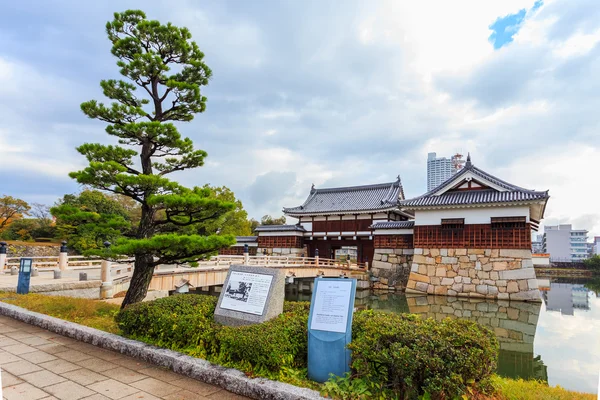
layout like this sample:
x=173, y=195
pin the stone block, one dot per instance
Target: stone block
x=431, y=270
x=493, y=290
x=494, y=253
x=452, y=292
x=503, y=296
x=384, y=257
x=478, y=266
x=472, y=273
x=461, y=252
x=443, y=252
x=464, y=259
x=430, y=261
x=440, y=271
x=487, y=267
x=418, y=277
x=449, y=260
x=468, y=288
x=447, y=281
x=514, y=264
x=451, y=274
x=418, y=251
x=489, y=282
x=515, y=253
x=512, y=287
x=482, y=289
x=451, y=252
x=532, y=295
x=415, y=268
x=500, y=282
x=463, y=272
x=422, y=269
x=523, y=284
x=476, y=251
x=384, y=281
x=411, y=284
x=458, y=287
x=392, y=259
x=466, y=280
x=434, y=280
x=527, y=263
x=494, y=275
x=441, y=290
x=421, y=286
x=472, y=257
x=500, y=265
x=382, y=265
x=532, y=283
x=419, y=259
x=458, y=279
x=528, y=273
x=430, y=289
x=376, y=257
x=434, y=252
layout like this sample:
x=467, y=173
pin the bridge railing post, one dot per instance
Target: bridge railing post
x=63, y=257
x=3, y=251
x=106, y=289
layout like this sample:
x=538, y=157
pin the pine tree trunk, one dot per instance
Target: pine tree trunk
x=142, y=275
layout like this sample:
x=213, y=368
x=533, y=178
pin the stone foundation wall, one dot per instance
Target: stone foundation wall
x=392, y=267
x=487, y=273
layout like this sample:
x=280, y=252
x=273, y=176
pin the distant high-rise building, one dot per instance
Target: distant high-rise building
x=565, y=243
x=438, y=170
x=536, y=243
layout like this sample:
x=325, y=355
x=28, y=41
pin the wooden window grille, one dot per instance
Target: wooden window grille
x=453, y=223
x=509, y=223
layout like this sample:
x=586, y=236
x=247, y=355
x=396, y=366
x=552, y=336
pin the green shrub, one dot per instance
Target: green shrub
x=181, y=322
x=273, y=345
x=407, y=356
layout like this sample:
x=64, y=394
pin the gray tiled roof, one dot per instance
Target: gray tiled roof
x=393, y=225
x=246, y=239
x=280, y=228
x=383, y=196
x=512, y=194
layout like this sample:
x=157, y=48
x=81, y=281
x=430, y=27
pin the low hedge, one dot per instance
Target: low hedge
x=183, y=322
x=397, y=356
x=408, y=356
x=273, y=345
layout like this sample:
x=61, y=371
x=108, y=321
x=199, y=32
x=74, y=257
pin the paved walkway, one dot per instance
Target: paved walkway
x=38, y=364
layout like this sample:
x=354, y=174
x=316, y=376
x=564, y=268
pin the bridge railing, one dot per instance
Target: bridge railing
x=272, y=261
x=51, y=262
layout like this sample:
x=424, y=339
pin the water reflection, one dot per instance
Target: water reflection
x=514, y=324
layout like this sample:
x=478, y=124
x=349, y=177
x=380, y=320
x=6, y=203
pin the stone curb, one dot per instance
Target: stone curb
x=226, y=378
x=55, y=287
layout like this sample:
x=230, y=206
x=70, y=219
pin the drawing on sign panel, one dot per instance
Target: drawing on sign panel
x=238, y=290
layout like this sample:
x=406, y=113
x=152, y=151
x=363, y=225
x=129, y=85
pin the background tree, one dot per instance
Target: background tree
x=12, y=209
x=593, y=263
x=45, y=227
x=89, y=219
x=269, y=220
x=168, y=68
x=253, y=224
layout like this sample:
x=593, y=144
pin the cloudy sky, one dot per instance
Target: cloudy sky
x=328, y=92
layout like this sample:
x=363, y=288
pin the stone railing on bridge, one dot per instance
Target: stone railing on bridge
x=283, y=261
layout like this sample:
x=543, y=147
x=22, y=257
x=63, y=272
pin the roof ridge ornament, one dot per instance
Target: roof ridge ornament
x=468, y=164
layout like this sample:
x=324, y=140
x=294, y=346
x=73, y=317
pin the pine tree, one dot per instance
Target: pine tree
x=167, y=67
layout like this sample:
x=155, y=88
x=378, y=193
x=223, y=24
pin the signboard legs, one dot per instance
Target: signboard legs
x=330, y=327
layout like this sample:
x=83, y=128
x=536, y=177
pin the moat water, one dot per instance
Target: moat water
x=557, y=341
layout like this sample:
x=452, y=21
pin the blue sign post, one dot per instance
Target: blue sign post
x=330, y=327
x=24, y=275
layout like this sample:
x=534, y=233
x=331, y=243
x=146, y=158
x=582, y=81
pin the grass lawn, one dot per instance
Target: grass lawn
x=100, y=315
x=93, y=313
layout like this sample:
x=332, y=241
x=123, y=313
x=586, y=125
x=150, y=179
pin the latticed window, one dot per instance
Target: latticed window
x=453, y=223
x=509, y=222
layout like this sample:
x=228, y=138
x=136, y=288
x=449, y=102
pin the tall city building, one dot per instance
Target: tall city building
x=536, y=243
x=438, y=170
x=565, y=243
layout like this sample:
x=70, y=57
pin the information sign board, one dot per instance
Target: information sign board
x=246, y=292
